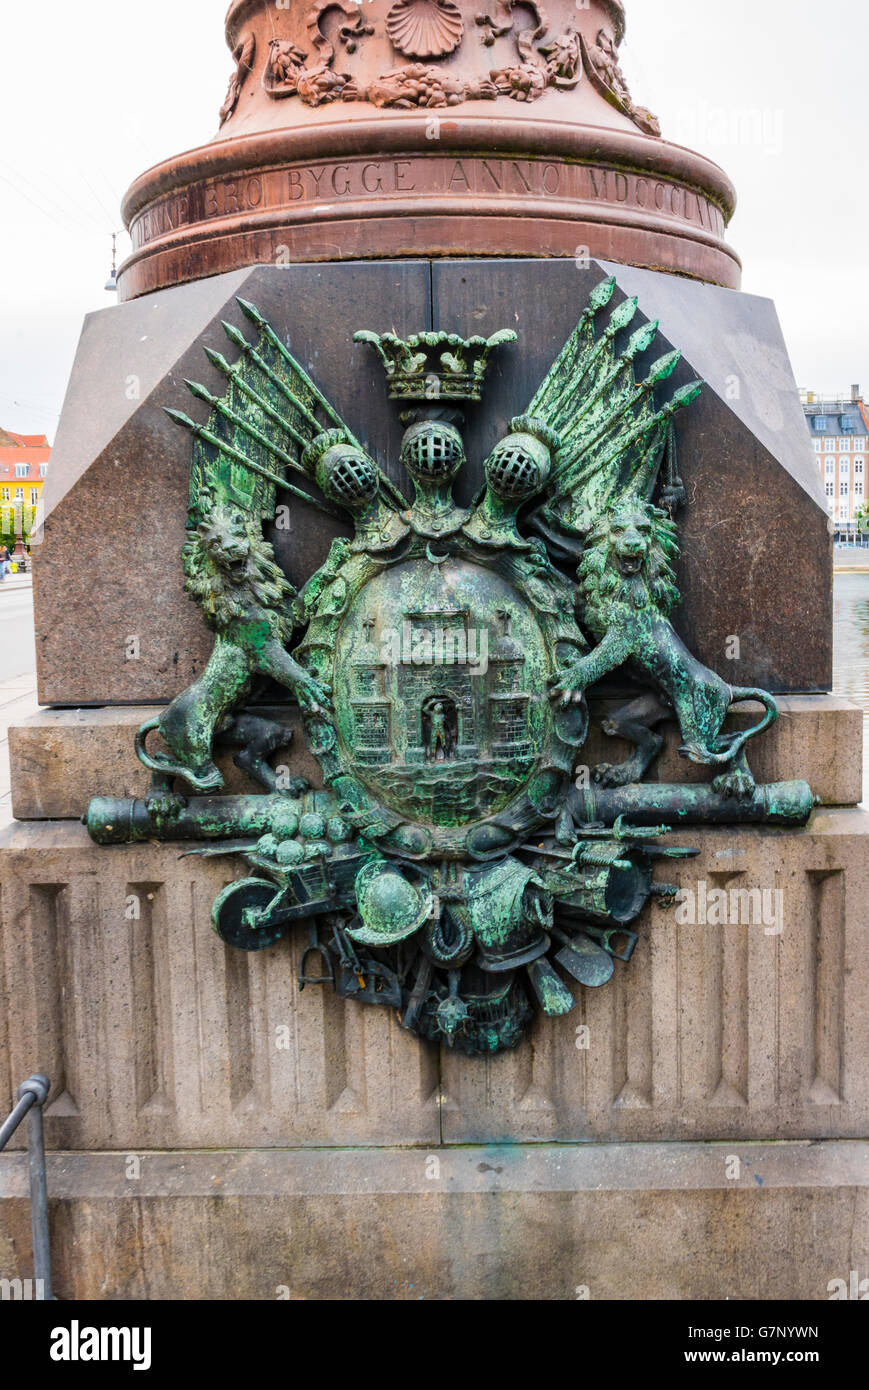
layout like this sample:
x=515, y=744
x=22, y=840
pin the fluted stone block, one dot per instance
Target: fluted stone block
x=156, y=1035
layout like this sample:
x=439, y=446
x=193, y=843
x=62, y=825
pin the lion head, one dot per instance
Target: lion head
x=230, y=569
x=628, y=561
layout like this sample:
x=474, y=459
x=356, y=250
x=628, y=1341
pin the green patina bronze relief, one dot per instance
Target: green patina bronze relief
x=441, y=659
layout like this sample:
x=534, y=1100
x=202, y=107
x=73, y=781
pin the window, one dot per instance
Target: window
x=820, y=422
x=843, y=489
x=34, y=496
x=845, y=467
x=858, y=466
x=843, y=511
x=43, y=470
x=22, y=470
x=4, y=494
x=844, y=445
x=19, y=494
x=817, y=446
x=848, y=422
x=831, y=489
x=830, y=468
x=829, y=446
x=858, y=489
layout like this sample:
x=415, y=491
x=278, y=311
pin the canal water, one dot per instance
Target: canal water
x=851, y=650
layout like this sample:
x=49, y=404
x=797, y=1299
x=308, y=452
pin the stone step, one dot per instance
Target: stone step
x=60, y=759
x=509, y=1221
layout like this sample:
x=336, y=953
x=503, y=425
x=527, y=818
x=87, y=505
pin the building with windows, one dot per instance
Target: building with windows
x=24, y=462
x=839, y=427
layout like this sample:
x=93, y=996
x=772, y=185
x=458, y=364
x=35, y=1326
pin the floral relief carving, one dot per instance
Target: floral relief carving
x=285, y=64
x=557, y=63
x=420, y=85
x=522, y=82
x=244, y=55
x=320, y=85
x=564, y=59
x=602, y=66
x=290, y=71
x=433, y=29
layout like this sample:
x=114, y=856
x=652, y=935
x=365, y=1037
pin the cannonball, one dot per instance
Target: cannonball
x=312, y=826
x=290, y=853
x=285, y=822
x=338, y=830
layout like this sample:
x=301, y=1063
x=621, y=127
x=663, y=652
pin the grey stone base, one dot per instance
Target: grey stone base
x=60, y=759
x=622, y=1221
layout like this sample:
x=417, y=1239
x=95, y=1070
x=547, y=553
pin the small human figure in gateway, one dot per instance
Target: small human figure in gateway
x=439, y=741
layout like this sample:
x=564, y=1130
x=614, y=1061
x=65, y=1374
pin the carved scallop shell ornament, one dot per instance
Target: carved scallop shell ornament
x=425, y=28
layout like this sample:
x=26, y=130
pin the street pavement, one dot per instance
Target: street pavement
x=17, y=672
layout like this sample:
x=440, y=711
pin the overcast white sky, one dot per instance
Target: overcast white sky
x=94, y=92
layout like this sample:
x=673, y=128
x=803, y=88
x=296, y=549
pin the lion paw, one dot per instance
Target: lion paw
x=314, y=697
x=567, y=687
x=617, y=774
x=738, y=785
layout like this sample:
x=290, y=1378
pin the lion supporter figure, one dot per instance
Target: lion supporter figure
x=232, y=575
x=629, y=590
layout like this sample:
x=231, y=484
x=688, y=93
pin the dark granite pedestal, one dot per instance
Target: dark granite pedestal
x=757, y=557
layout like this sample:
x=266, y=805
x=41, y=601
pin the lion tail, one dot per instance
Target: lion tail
x=740, y=693
x=146, y=758
x=735, y=742
x=158, y=762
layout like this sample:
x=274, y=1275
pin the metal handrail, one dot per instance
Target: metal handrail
x=32, y=1095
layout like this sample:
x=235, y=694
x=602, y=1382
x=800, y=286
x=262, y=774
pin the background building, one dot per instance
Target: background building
x=23, y=469
x=839, y=427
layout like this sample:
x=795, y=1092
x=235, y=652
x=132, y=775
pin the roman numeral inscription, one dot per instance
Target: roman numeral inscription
x=347, y=188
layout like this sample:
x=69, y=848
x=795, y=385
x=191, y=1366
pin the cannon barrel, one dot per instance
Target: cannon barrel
x=777, y=803
x=114, y=821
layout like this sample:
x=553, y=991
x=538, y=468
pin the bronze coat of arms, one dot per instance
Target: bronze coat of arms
x=459, y=865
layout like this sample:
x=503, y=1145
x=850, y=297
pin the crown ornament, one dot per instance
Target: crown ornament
x=435, y=366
